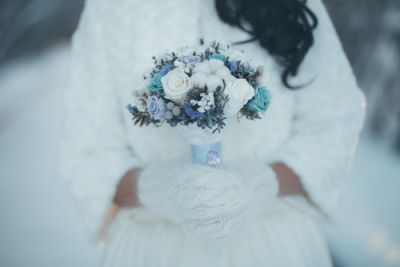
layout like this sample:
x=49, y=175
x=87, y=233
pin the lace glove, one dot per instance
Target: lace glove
x=209, y=203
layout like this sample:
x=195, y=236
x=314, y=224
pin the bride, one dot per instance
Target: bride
x=303, y=147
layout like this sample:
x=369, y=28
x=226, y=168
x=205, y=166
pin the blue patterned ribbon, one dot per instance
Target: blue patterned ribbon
x=207, y=154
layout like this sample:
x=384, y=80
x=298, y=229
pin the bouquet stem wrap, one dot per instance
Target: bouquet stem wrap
x=207, y=154
x=206, y=148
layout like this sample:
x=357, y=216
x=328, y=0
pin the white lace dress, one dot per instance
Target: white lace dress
x=313, y=130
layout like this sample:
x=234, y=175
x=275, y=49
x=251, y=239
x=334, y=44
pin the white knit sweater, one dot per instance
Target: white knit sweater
x=313, y=130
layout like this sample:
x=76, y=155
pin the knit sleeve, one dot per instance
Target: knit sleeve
x=328, y=117
x=95, y=151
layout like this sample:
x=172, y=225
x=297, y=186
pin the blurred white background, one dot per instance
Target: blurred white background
x=39, y=225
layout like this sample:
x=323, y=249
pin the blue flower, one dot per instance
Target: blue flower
x=166, y=68
x=233, y=65
x=191, y=60
x=193, y=114
x=132, y=109
x=218, y=56
x=155, y=85
x=260, y=102
x=156, y=108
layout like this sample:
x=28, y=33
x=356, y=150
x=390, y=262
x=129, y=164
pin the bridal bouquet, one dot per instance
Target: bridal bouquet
x=198, y=90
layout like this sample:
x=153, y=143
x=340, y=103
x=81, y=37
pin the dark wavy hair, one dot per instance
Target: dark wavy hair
x=283, y=27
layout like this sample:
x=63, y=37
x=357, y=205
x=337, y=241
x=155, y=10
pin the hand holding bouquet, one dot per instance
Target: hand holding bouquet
x=198, y=90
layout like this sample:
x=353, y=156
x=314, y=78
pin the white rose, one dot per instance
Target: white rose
x=176, y=84
x=239, y=92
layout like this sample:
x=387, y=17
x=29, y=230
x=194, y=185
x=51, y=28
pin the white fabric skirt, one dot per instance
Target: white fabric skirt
x=285, y=238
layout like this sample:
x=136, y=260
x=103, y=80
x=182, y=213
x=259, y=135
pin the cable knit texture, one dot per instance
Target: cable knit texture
x=313, y=130
x=209, y=203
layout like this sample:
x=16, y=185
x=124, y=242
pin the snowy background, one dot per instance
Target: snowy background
x=39, y=225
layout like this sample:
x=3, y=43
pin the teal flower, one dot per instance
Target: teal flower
x=218, y=56
x=155, y=85
x=260, y=102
